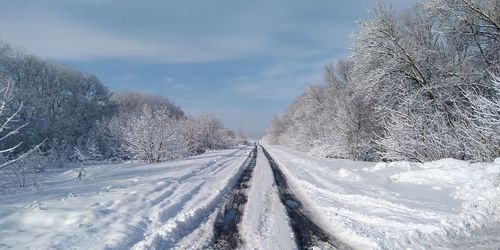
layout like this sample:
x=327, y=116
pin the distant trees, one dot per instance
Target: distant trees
x=60, y=105
x=327, y=120
x=151, y=128
x=133, y=102
x=421, y=85
x=142, y=126
x=240, y=138
x=71, y=111
x=205, y=132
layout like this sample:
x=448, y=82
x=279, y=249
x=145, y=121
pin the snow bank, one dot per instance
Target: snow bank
x=398, y=205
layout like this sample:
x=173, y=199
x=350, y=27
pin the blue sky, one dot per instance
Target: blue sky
x=243, y=61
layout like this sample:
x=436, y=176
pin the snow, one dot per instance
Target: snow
x=435, y=205
x=265, y=224
x=129, y=205
x=441, y=204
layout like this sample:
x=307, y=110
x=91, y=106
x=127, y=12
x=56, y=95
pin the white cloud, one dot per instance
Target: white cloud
x=163, y=32
x=57, y=36
x=64, y=41
x=58, y=40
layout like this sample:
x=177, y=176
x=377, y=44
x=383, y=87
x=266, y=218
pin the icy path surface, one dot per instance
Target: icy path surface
x=265, y=224
x=445, y=204
x=123, y=206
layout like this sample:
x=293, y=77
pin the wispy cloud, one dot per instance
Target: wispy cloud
x=164, y=31
x=61, y=40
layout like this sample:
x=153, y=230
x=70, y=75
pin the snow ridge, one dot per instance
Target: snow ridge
x=265, y=224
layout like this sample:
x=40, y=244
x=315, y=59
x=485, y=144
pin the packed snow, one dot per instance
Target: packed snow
x=265, y=224
x=441, y=204
x=129, y=205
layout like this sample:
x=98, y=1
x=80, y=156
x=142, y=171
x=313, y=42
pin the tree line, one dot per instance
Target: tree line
x=66, y=115
x=421, y=84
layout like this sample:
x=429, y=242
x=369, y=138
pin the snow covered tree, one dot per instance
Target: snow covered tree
x=327, y=120
x=483, y=133
x=145, y=127
x=471, y=27
x=74, y=110
x=134, y=102
x=409, y=72
x=152, y=135
x=59, y=103
x=205, y=133
x=421, y=85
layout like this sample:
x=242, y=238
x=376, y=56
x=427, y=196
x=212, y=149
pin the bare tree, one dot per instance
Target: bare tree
x=16, y=169
x=8, y=128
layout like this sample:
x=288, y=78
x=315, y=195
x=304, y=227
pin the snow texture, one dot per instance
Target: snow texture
x=265, y=224
x=441, y=204
x=444, y=204
x=123, y=206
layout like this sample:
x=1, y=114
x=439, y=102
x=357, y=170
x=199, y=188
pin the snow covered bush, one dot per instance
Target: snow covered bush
x=23, y=173
x=151, y=128
x=205, y=133
x=152, y=135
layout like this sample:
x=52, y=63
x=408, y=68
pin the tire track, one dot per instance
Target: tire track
x=307, y=234
x=176, y=219
x=226, y=232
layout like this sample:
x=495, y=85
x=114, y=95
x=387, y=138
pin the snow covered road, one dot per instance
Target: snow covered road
x=265, y=223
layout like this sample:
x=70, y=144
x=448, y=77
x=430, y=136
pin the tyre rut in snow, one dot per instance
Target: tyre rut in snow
x=307, y=233
x=226, y=233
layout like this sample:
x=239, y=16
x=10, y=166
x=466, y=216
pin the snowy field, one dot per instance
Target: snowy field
x=445, y=204
x=123, y=206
